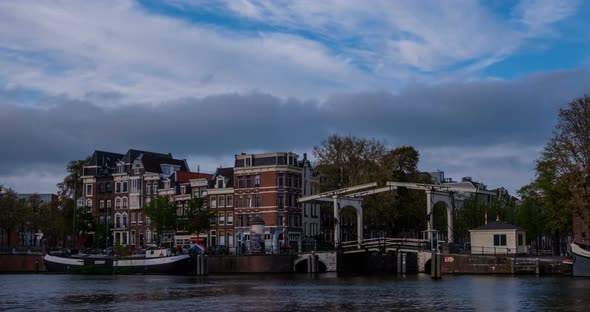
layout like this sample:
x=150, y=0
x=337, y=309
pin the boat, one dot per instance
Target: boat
x=157, y=261
x=581, y=264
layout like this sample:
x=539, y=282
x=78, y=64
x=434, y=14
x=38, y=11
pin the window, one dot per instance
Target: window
x=499, y=239
x=289, y=200
x=280, y=201
x=118, y=187
x=109, y=187
x=155, y=188
x=196, y=194
x=230, y=200
x=230, y=238
x=221, y=218
x=256, y=181
x=256, y=200
x=148, y=188
x=125, y=219
x=100, y=188
x=230, y=218
x=248, y=162
x=182, y=189
x=221, y=237
x=140, y=217
x=124, y=202
x=220, y=182
x=133, y=217
x=124, y=238
x=124, y=187
x=108, y=204
x=101, y=220
x=117, y=221
x=88, y=189
x=221, y=200
x=89, y=203
x=248, y=181
x=240, y=202
x=101, y=204
x=132, y=238
x=120, y=168
x=213, y=201
x=137, y=169
x=520, y=240
x=117, y=203
x=281, y=180
x=240, y=182
x=248, y=201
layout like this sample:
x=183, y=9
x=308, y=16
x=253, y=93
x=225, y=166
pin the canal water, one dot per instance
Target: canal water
x=325, y=292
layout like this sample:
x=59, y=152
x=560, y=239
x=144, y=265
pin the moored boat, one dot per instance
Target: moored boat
x=180, y=264
x=581, y=264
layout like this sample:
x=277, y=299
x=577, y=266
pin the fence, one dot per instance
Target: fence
x=483, y=250
x=21, y=250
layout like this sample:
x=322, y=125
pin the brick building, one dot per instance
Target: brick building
x=269, y=185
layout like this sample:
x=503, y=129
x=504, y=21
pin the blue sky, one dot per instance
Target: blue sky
x=415, y=70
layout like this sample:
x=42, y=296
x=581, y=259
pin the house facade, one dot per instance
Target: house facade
x=498, y=237
x=269, y=185
x=220, y=198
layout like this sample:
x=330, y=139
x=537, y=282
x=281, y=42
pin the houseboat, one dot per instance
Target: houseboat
x=156, y=261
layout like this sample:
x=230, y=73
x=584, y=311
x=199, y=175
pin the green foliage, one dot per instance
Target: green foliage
x=347, y=160
x=162, y=213
x=197, y=218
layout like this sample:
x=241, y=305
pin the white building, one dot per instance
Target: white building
x=498, y=237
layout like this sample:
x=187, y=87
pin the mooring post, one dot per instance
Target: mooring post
x=537, y=266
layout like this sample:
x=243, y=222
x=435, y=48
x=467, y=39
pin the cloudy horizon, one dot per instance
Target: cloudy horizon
x=475, y=87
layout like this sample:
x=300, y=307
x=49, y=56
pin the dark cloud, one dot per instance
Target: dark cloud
x=458, y=114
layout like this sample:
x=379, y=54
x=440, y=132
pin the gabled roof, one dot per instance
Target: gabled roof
x=99, y=158
x=132, y=154
x=186, y=176
x=152, y=162
x=498, y=225
x=225, y=172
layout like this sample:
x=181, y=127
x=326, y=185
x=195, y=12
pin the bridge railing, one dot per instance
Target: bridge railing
x=385, y=243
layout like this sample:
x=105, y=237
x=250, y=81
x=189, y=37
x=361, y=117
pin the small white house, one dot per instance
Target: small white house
x=498, y=237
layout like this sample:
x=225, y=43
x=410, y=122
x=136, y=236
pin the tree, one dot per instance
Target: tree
x=569, y=152
x=162, y=213
x=69, y=190
x=197, y=218
x=12, y=213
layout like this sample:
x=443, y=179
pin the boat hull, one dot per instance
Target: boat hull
x=581, y=264
x=164, y=265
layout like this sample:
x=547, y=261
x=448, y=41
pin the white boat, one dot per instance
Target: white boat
x=581, y=264
x=154, y=262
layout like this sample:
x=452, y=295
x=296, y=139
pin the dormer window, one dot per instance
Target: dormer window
x=248, y=161
x=121, y=168
x=220, y=182
x=182, y=189
x=137, y=169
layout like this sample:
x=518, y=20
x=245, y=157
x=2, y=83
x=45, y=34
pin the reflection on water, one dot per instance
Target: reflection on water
x=325, y=292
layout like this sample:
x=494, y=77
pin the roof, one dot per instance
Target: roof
x=498, y=225
x=151, y=162
x=101, y=163
x=186, y=176
x=132, y=154
x=225, y=172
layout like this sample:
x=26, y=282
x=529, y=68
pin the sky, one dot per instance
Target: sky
x=474, y=86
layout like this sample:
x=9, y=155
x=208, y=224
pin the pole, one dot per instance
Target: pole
x=74, y=208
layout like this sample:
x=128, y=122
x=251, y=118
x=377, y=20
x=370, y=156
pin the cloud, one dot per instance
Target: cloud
x=476, y=128
x=303, y=49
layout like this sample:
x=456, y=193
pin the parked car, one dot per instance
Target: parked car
x=216, y=250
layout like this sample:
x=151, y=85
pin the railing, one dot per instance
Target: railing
x=384, y=244
x=21, y=250
x=483, y=250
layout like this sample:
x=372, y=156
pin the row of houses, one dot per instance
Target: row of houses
x=118, y=186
